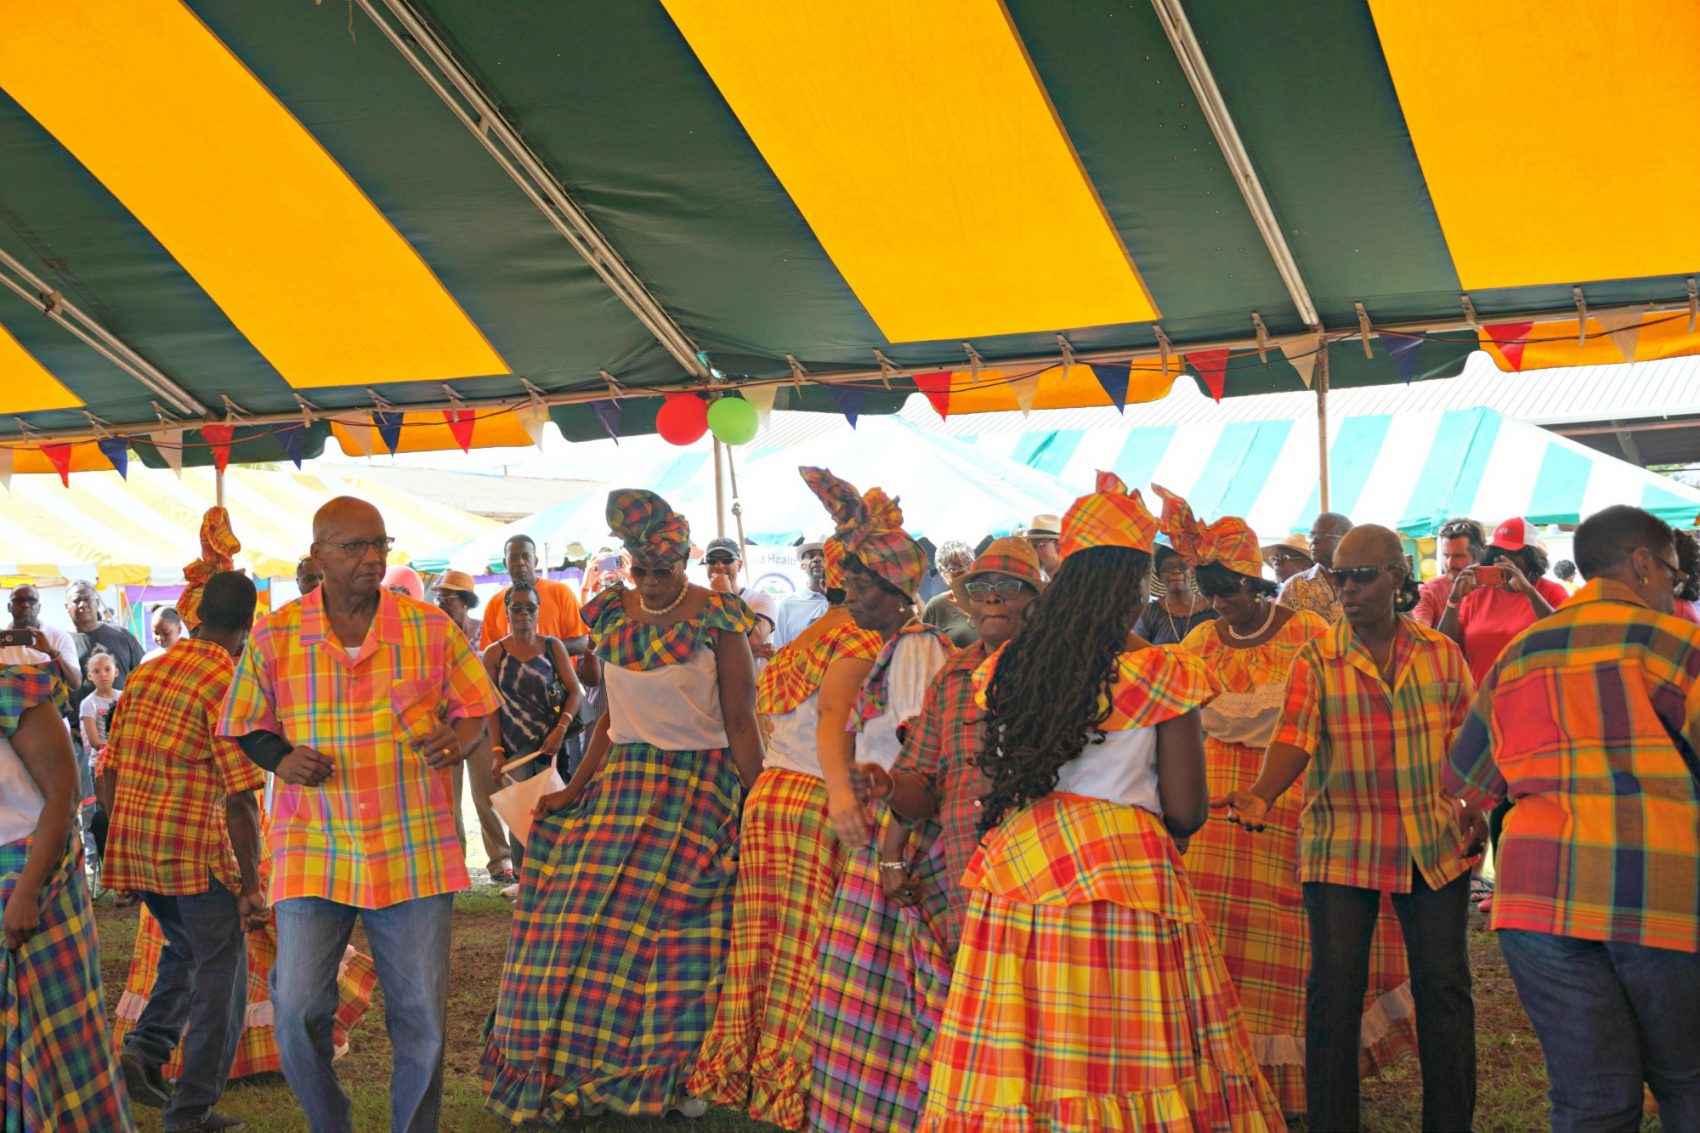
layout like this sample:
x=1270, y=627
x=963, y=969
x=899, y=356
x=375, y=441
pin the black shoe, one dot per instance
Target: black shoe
x=214, y=1123
x=145, y=1084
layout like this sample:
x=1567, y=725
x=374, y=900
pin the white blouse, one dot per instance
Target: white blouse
x=914, y=664
x=672, y=707
x=21, y=800
x=1122, y=769
x=791, y=742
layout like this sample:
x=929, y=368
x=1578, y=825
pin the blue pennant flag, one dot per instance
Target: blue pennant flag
x=388, y=422
x=608, y=412
x=1403, y=351
x=1113, y=378
x=849, y=400
x=292, y=437
x=117, y=451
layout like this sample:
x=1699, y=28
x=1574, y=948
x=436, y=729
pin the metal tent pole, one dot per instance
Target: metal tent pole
x=1320, y=381
x=737, y=503
x=218, y=486
x=719, y=494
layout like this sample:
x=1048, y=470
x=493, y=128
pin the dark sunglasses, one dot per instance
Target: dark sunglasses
x=719, y=560
x=1003, y=588
x=653, y=570
x=1363, y=575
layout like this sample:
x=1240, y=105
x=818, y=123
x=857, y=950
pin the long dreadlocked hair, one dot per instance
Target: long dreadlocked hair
x=1049, y=695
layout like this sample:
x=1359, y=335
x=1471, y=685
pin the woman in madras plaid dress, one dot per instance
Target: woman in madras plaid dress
x=619, y=939
x=1248, y=887
x=866, y=1071
x=61, y=1069
x=757, y=1054
x=1088, y=992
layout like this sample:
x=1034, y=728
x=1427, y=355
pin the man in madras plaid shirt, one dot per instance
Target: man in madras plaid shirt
x=1590, y=720
x=362, y=702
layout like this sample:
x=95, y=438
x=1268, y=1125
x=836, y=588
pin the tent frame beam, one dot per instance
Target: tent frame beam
x=357, y=417
x=415, y=40
x=39, y=293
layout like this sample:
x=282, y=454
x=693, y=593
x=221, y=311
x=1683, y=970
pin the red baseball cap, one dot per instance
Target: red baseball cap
x=1514, y=535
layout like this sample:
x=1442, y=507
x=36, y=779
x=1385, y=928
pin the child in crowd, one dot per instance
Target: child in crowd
x=96, y=710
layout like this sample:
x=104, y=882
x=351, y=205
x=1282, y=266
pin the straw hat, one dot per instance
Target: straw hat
x=1012, y=556
x=1293, y=542
x=455, y=580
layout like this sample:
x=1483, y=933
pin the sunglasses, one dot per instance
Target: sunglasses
x=1363, y=575
x=652, y=570
x=719, y=560
x=1003, y=588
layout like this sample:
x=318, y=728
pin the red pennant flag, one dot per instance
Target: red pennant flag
x=461, y=422
x=1212, y=366
x=60, y=455
x=218, y=438
x=936, y=386
x=1509, y=337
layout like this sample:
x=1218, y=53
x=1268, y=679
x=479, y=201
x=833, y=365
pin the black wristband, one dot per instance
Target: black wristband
x=265, y=748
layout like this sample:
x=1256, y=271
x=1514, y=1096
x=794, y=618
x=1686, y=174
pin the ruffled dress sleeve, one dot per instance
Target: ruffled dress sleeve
x=1157, y=683
x=795, y=673
x=640, y=646
x=22, y=687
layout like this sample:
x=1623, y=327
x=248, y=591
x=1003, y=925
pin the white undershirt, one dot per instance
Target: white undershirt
x=20, y=799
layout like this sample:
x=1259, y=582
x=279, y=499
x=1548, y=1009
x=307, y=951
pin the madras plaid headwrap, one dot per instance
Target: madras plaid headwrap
x=795, y=673
x=875, y=694
x=219, y=545
x=1112, y=516
x=1229, y=542
x=647, y=524
x=870, y=526
x=833, y=552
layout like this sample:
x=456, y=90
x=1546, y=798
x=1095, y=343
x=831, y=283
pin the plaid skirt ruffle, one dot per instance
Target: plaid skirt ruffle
x=61, y=1072
x=619, y=940
x=1247, y=885
x=757, y=1054
x=884, y=976
x=1071, y=1011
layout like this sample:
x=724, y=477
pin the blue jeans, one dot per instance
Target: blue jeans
x=1609, y=1017
x=410, y=948
x=201, y=982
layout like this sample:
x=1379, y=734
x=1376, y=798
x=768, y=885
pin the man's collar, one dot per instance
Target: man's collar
x=386, y=621
x=1608, y=590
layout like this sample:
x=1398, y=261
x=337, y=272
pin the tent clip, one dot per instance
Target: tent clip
x=50, y=301
x=308, y=410
x=380, y=404
x=1067, y=353
x=1581, y=316
x=1364, y=330
x=614, y=389
x=1262, y=337
x=164, y=417
x=1469, y=310
x=1163, y=349
x=888, y=369
x=232, y=411
x=99, y=426
x=1693, y=305
x=798, y=374
x=974, y=363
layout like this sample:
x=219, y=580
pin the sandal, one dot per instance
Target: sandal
x=504, y=876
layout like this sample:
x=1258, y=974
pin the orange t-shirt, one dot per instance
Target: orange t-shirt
x=557, y=614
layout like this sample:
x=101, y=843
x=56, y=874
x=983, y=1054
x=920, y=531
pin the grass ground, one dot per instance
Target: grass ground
x=1511, y=1078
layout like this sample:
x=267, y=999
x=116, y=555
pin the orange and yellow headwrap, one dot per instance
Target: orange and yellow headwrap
x=832, y=550
x=1110, y=517
x=1228, y=541
x=218, y=548
x=870, y=526
x=647, y=524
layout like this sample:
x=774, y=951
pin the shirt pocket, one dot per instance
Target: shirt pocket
x=416, y=705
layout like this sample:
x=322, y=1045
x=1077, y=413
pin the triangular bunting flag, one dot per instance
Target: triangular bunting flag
x=59, y=455
x=936, y=386
x=1624, y=327
x=6, y=468
x=218, y=438
x=170, y=446
x=849, y=400
x=461, y=423
x=762, y=398
x=1403, y=351
x=388, y=424
x=1212, y=366
x=608, y=412
x=1025, y=390
x=117, y=454
x=1509, y=337
x=1113, y=377
x=293, y=438
x=1301, y=355
x=532, y=417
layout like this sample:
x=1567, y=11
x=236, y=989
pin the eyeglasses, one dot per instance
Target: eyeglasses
x=652, y=570
x=719, y=560
x=361, y=546
x=1041, y=540
x=1363, y=575
x=1003, y=588
x=1678, y=576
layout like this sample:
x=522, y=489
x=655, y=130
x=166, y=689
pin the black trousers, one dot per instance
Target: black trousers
x=1342, y=924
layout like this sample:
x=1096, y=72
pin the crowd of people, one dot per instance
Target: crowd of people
x=1140, y=822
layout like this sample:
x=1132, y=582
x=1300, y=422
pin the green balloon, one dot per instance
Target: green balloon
x=733, y=420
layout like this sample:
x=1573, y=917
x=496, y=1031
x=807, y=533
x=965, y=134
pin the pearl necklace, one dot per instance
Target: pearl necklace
x=1234, y=635
x=669, y=607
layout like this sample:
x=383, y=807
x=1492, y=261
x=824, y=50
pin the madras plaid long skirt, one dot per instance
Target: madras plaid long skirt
x=1088, y=993
x=757, y=1053
x=1247, y=885
x=883, y=975
x=619, y=940
x=61, y=1072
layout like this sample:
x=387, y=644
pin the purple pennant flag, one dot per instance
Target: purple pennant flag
x=1114, y=380
x=608, y=412
x=118, y=453
x=292, y=437
x=388, y=422
x=849, y=400
x=1403, y=351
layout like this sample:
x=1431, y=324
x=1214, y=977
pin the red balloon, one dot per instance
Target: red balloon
x=683, y=418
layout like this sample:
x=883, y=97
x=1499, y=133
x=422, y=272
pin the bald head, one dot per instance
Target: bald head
x=1369, y=545
x=334, y=519
x=351, y=548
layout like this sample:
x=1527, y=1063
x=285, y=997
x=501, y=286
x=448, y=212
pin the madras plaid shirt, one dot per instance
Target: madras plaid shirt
x=174, y=772
x=381, y=829
x=1375, y=801
x=1590, y=721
